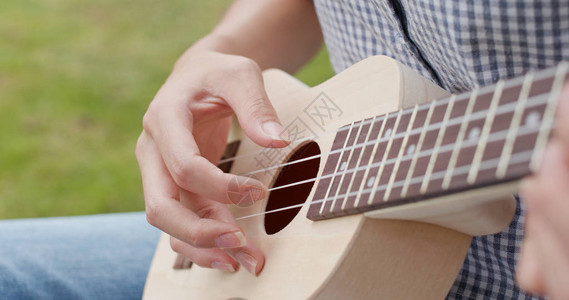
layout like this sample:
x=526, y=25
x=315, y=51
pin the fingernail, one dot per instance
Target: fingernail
x=276, y=131
x=248, y=262
x=231, y=240
x=223, y=267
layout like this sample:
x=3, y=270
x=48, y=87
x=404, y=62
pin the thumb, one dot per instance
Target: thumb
x=245, y=93
x=260, y=122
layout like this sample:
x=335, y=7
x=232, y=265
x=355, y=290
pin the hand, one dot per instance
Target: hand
x=543, y=267
x=185, y=133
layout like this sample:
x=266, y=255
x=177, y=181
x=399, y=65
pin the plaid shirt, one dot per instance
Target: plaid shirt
x=460, y=45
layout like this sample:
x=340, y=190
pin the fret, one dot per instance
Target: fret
x=445, y=138
x=484, y=101
x=526, y=139
x=418, y=150
x=357, y=165
x=542, y=85
x=342, y=136
x=401, y=150
x=431, y=165
x=524, y=143
x=389, y=135
x=548, y=116
x=392, y=154
x=346, y=163
x=531, y=119
x=514, y=126
x=532, y=115
x=525, y=133
x=511, y=94
x=459, y=140
x=385, y=155
x=485, y=132
x=452, y=121
x=336, y=169
x=474, y=130
x=501, y=123
x=329, y=168
x=366, y=172
x=373, y=165
x=517, y=158
x=473, y=134
x=485, y=137
x=429, y=141
x=410, y=148
x=343, y=165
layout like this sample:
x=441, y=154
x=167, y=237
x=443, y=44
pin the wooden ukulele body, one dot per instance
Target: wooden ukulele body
x=363, y=256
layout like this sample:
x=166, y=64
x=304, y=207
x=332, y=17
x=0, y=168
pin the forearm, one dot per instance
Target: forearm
x=281, y=34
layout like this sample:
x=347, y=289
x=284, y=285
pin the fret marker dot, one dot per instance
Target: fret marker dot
x=532, y=119
x=370, y=181
x=411, y=149
x=474, y=133
x=387, y=132
x=343, y=166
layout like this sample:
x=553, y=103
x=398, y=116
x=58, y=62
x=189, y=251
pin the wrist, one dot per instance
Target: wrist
x=215, y=42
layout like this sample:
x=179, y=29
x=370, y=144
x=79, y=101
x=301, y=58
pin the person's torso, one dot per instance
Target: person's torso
x=459, y=44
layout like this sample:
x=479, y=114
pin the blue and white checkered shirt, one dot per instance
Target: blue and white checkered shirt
x=460, y=45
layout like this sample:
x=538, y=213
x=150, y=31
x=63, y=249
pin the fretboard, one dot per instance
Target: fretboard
x=488, y=136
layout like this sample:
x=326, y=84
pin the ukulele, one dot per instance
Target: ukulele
x=381, y=189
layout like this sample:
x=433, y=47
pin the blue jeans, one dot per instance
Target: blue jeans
x=87, y=257
x=108, y=256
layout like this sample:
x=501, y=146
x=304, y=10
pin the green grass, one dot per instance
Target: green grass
x=75, y=79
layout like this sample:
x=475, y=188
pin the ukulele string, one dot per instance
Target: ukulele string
x=325, y=133
x=463, y=96
x=493, y=137
x=515, y=158
x=436, y=126
x=304, y=139
x=485, y=165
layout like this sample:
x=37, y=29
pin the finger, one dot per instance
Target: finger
x=549, y=191
x=154, y=183
x=545, y=195
x=164, y=211
x=553, y=259
x=528, y=271
x=245, y=93
x=191, y=171
x=207, y=258
x=249, y=256
x=205, y=208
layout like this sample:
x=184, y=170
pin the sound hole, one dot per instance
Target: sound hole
x=294, y=195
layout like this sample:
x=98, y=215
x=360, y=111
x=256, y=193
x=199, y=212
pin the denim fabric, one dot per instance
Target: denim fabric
x=86, y=257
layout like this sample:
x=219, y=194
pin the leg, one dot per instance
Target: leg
x=88, y=257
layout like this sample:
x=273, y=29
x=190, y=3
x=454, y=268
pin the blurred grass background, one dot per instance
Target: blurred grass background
x=75, y=80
